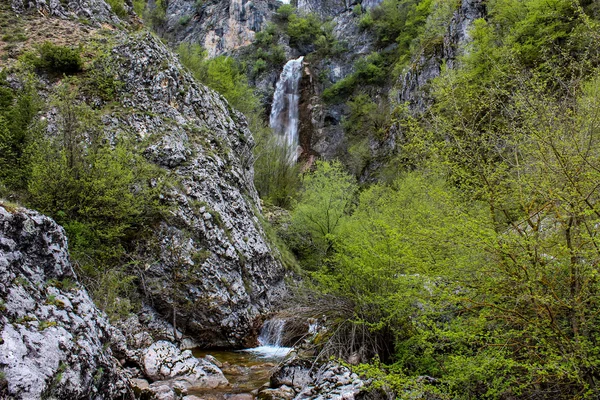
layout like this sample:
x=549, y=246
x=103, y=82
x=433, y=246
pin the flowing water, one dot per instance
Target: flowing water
x=249, y=369
x=284, y=110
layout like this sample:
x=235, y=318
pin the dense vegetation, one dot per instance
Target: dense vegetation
x=275, y=179
x=475, y=262
x=99, y=191
x=469, y=271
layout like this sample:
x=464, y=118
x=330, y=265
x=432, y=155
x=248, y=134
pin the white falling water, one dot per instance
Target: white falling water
x=272, y=332
x=270, y=339
x=284, y=110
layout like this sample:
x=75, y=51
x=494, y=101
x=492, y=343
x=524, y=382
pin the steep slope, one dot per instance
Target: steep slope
x=213, y=267
x=219, y=26
x=208, y=267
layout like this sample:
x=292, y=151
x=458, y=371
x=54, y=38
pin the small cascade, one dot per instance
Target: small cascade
x=270, y=340
x=272, y=332
x=284, y=110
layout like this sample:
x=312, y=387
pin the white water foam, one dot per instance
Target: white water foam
x=270, y=338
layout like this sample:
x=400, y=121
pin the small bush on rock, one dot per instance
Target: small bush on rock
x=58, y=59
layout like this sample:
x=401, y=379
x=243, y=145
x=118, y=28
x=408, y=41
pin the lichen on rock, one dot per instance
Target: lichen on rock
x=54, y=341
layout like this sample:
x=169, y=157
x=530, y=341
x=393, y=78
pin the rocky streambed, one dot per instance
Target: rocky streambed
x=255, y=376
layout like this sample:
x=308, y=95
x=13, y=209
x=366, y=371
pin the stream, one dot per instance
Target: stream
x=249, y=369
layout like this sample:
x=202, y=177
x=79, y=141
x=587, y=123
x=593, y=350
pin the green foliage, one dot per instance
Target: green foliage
x=157, y=15
x=185, y=20
x=101, y=79
x=18, y=109
x=478, y=268
x=58, y=59
x=116, y=293
x=139, y=6
x=324, y=202
x=118, y=7
x=46, y=324
x=284, y=12
x=303, y=30
x=223, y=74
x=398, y=21
x=259, y=66
x=370, y=70
x=267, y=53
x=100, y=193
x=276, y=178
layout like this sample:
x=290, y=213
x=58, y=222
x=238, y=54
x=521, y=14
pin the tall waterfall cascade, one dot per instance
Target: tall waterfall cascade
x=285, y=108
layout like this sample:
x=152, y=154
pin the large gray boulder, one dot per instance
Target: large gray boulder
x=53, y=340
x=164, y=361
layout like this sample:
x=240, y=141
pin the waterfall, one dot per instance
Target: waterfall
x=271, y=332
x=270, y=340
x=284, y=111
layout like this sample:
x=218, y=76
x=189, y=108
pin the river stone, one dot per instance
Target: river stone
x=296, y=374
x=164, y=361
x=280, y=393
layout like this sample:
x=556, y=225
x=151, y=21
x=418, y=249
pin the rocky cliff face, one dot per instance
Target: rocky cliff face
x=425, y=67
x=220, y=26
x=208, y=269
x=213, y=271
x=92, y=10
x=53, y=340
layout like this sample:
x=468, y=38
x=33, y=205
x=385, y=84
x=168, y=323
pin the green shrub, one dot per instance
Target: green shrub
x=139, y=6
x=259, y=66
x=303, y=30
x=17, y=134
x=118, y=7
x=340, y=90
x=266, y=37
x=157, y=15
x=101, y=79
x=276, y=179
x=284, y=12
x=58, y=59
x=185, y=20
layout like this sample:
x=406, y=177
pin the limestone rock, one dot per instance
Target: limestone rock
x=164, y=361
x=220, y=26
x=53, y=339
x=95, y=11
x=306, y=381
x=280, y=393
x=209, y=261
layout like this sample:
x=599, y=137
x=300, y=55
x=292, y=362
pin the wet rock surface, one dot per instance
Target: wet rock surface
x=54, y=341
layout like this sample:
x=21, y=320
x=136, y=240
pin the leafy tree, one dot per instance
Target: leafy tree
x=99, y=192
x=223, y=74
x=18, y=110
x=324, y=202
